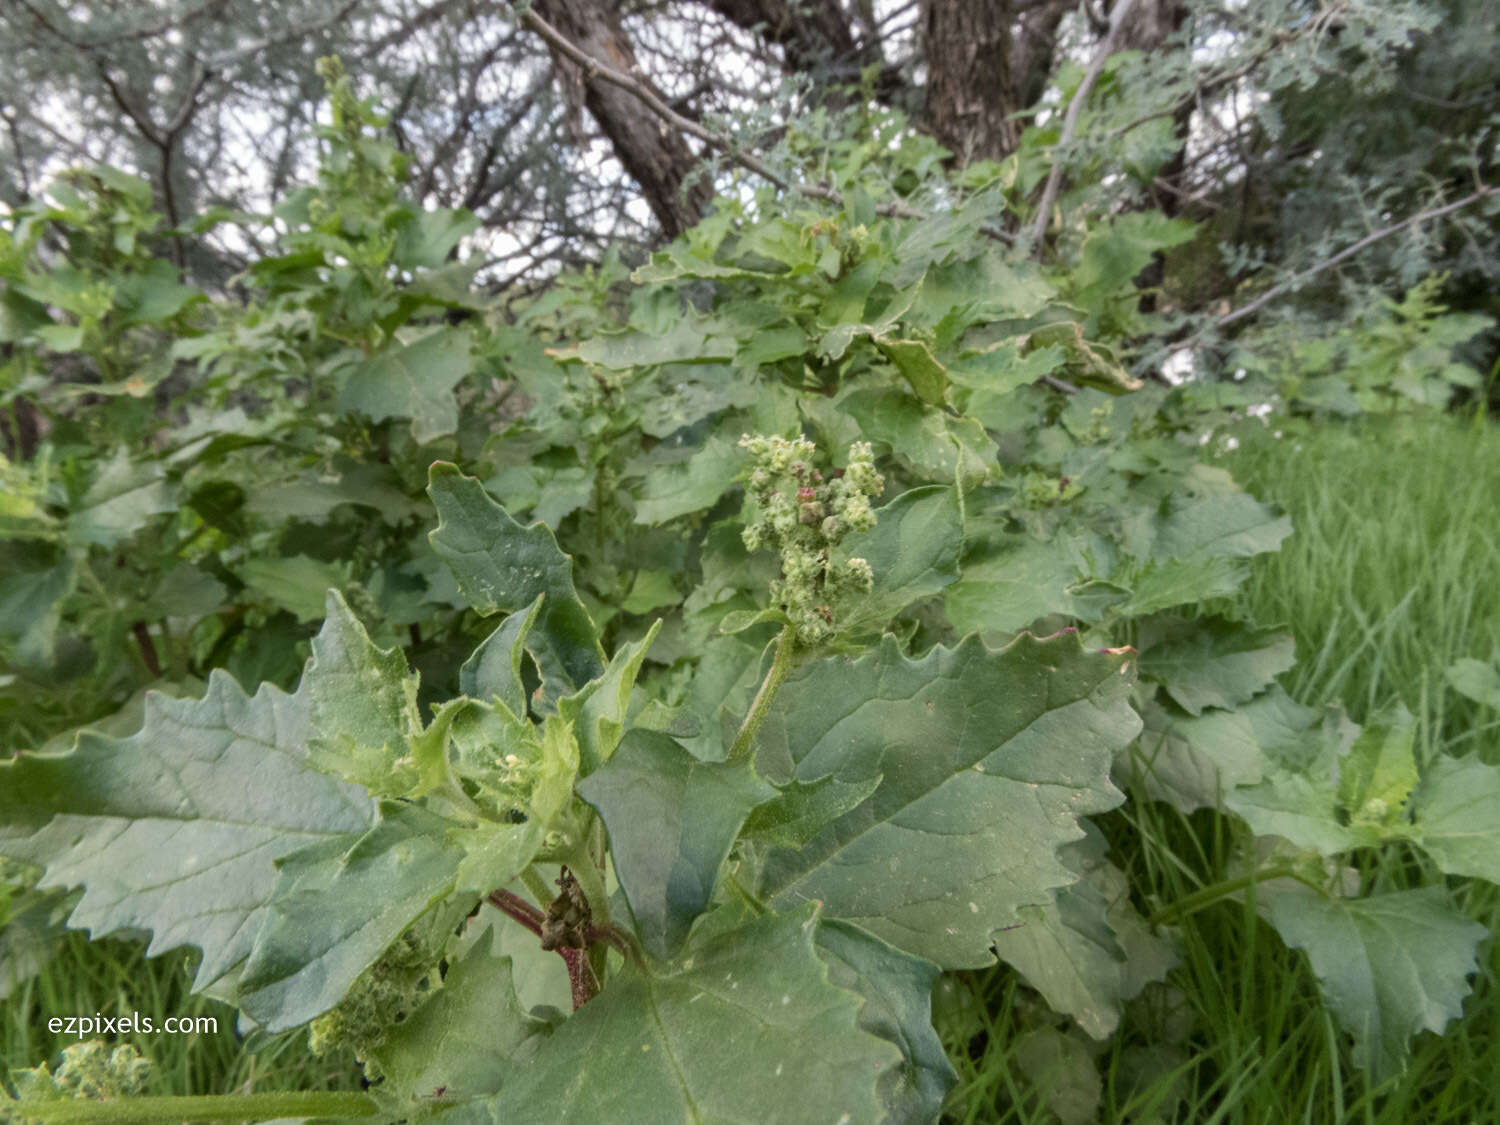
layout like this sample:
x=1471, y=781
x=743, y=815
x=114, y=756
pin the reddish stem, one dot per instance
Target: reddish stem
x=518, y=910
x=148, y=648
x=581, y=979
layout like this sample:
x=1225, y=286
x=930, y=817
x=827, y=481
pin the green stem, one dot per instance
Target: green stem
x=579, y=860
x=781, y=665
x=538, y=887
x=209, y=1107
x=1211, y=894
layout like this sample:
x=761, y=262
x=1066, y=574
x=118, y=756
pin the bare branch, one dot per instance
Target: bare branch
x=1484, y=192
x=594, y=68
x=1070, y=124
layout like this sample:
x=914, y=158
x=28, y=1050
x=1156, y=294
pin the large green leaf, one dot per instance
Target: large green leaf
x=989, y=759
x=362, y=704
x=912, y=550
x=744, y=1027
x=1230, y=527
x=415, y=381
x=466, y=1041
x=1214, y=663
x=691, y=485
x=1457, y=813
x=493, y=671
x=1335, y=799
x=1088, y=951
x=1023, y=581
x=1390, y=965
x=671, y=821
x=502, y=566
x=597, y=710
x=296, y=583
x=121, y=501
x=897, y=990
x=176, y=829
x=1191, y=762
x=337, y=906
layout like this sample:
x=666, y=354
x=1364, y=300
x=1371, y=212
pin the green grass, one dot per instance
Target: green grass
x=1390, y=576
x=115, y=978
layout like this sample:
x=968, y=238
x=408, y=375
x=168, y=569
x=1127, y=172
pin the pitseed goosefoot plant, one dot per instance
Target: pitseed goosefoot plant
x=541, y=896
x=555, y=890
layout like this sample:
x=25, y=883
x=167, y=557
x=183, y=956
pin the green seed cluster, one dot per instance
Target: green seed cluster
x=803, y=516
x=87, y=1070
x=386, y=994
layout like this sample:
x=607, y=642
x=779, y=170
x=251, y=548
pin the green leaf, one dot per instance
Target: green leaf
x=362, y=703
x=745, y=1027
x=295, y=583
x=1023, y=581
x=912, y=550
x=1457, y=812
x=1229, y=527
x=415, y=381
x=1299, y=807
x=692, y=485
x=1164, y=583
x=1477, y=680
x=1210, y=662
x=425, y=242
x=1380, y=771
x=938, y=446
x=502, y=566
x=1088, y=951
x=597, y=710
x=691, y=340
x=897, y=990
x=671, y=821
x=468, y=1040
x=337, y=906
x=493, y=671
x=651, y=589
x=1191, y=763
x=121, y=501
x=989, y=759
x=799, y=811
x=1060, y=1066
x=1389, y=965
x=918, y=366
x=176, y=829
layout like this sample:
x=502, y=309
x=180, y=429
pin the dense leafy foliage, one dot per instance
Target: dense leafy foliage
x=685, y=791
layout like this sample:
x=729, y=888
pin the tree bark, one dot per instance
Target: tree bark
x=655, y=156
x=987, y=60
x=812, y=36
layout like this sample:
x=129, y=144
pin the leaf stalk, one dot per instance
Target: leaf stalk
x=781, y=666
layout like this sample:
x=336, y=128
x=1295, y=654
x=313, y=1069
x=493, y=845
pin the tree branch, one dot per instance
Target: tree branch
x=1070, y=124
x=594, y=68
x=1348, y=252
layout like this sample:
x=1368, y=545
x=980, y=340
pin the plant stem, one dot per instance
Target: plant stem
x=537, y=886
x=580, y=862
x=204, y=1107
x=517, y=909
x=581, y=979
x=781, y=665
x=1211, y=894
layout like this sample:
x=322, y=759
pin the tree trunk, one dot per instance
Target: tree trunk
x=654, y=154
x=987, y=60
x=814, y=37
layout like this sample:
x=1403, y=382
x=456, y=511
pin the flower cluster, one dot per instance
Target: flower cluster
x=803, y=515
x=385, y=994
x=87, y=1070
